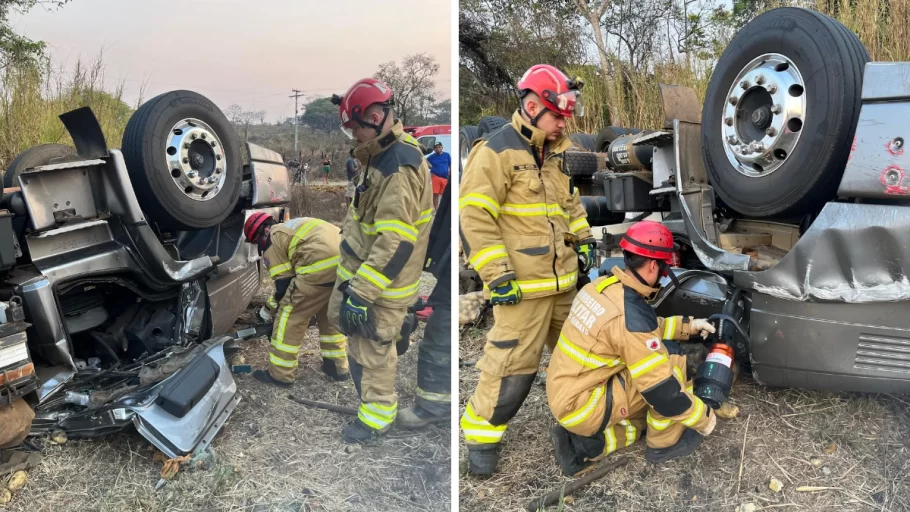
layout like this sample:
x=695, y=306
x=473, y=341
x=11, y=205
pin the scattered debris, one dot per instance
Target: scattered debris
x=204, y=460
x=352, y=448
x=727, y=411
x=17, y=481
x=554, y=496
x=746, y=507
x=172, y=466
x=322, y=405
x=58, y=437
x=809, y=488
x=5, y=496
x=775, y=485
x=816, y=461
x=826, y=471
x=241, y=368
x=470, y=305
x=830, y=448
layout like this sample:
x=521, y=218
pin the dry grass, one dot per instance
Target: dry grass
x=787, y=431
x=272, y=455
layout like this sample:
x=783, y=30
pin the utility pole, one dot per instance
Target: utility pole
x=297, y=93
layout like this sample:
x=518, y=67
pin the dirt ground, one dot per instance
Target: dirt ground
x=853, y=449
x=272, y=455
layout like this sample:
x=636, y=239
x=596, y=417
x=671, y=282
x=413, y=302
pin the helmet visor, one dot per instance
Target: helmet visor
x=347, y=131
x=570, y=104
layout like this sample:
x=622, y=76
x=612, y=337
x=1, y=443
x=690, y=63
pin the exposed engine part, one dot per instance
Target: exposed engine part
x=623, y=155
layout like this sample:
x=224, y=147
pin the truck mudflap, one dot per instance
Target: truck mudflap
x=854, y=253
x=179, y=415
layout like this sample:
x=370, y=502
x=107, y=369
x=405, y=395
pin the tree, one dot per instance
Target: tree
x=320, y=114
x=17, y=50
x=233, y=113
x=412, y=82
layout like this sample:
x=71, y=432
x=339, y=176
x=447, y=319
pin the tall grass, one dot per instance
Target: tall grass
x=31, y=99
x=630, y=98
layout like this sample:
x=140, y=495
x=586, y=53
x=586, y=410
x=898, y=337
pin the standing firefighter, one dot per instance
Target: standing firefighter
x=301, y=256
x=382, y=253
x=434, y=359
x=527, y=236
x=616, y=369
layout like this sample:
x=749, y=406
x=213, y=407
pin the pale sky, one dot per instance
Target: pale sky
x=251, y=53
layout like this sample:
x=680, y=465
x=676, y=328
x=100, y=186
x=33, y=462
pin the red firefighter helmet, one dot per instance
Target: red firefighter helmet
x=558, y=92
x=358, y=98
x=253, y=224
x=651, y=240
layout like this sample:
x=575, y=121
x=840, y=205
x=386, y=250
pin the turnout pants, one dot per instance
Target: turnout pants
x=434, y=356
x=625, y=416
x=373, y=363
x=511, y=358
x=300, y=303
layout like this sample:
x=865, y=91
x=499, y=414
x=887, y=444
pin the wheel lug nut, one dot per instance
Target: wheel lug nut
x=204, y=135
x=214, y=143
x=186, y=145
x=217, y=157
x=771, y=132
x=745, y=149
x=193, y=136
x=760, y=79
x=191, y=174
x=728, y=121
x=775, y=109
x=757, y=147
x=211, y=179
x=202, y=181
x=186, y=160
x=732, y=140
x=218, y=170
x=772, y=88
x=744, y=84
x=733, y=100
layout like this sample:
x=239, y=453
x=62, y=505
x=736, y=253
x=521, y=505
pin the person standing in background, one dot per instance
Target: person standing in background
x=326, y=168
x=440, y=163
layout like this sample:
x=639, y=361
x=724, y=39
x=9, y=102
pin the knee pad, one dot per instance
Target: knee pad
x=512, y=393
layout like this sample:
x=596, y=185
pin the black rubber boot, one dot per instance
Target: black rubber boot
x=482, y=460
x=568, y=458
x=417, y=417
x=688, y=442
x=358, y=432
x=331, y=371
x=263, y=376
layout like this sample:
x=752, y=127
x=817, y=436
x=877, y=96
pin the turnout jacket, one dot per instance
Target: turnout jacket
x=517, y=209
x=304, y=248
x=611, y=331
x=386, y=230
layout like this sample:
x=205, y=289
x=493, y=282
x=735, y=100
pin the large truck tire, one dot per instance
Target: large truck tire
x=184, y=161
x=490, y=124
x=35, y=157
x=609, y=134
x=795, y=77
x=583, y=141
x=580, y=163
x=466, y=137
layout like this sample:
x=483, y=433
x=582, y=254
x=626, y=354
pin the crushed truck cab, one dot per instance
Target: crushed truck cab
x=127, y=290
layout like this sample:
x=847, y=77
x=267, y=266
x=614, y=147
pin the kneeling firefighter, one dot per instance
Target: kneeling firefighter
x=615, y=371
x=301, y=256
x=384, y=242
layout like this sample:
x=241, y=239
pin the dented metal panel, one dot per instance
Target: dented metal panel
x=271, y=181
x=856, y=253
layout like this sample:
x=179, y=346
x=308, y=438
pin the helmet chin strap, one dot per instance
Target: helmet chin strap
x=376, y=128
x=533, y=119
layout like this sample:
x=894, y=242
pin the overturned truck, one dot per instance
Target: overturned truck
x=121, y=271
x=787, y=197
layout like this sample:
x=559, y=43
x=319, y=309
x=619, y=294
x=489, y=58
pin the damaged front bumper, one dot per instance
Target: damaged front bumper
x=179, y=415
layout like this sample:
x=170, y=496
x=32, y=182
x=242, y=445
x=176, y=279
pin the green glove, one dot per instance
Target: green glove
x=587, y=252
x=506, y=294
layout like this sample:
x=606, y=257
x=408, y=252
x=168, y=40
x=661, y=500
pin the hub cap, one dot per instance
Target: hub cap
x=764, y=113
x=195, y=157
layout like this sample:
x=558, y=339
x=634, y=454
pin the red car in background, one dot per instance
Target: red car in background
x=428, y=136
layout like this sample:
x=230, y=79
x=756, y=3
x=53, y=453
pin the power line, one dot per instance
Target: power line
x=297, y=94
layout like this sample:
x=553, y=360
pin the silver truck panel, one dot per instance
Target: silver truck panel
x=856, y=253
x=271, y=182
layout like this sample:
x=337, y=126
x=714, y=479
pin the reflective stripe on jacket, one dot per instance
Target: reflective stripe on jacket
x=303, y=247
x=517, y=209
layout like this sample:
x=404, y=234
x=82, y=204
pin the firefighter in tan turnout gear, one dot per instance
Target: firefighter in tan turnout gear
x=525, y=232
x=300, y=255
x=617, y=369
x=384, y=243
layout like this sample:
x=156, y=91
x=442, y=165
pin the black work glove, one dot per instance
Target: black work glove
x=356, y=316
